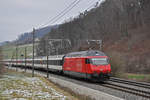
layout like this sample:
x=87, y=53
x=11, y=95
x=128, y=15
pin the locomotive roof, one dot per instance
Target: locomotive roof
x=85, y=53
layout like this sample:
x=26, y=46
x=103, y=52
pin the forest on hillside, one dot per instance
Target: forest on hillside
x=26, y=38
x=123, y=25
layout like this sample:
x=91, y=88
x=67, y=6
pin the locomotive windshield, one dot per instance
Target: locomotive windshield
x=99, y=61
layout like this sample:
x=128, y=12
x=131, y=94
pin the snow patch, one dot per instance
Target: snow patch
x=26, y=87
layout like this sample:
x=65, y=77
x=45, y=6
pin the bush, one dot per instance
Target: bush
x=117, y=64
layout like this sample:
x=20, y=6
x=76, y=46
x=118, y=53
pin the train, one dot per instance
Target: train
x=90, y=64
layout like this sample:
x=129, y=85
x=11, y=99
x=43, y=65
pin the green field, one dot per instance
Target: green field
x=139, y=77
x=9, y=51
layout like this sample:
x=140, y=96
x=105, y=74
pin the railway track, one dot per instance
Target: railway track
x=134, y=83
x=126, y=89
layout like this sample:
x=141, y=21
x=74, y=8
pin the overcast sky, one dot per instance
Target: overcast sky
x=19, y=16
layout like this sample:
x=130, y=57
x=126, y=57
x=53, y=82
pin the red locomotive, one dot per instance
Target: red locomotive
x=87, y=64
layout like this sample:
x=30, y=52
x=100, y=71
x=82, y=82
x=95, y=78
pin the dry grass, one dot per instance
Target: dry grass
x=18, y=85
x=62, y=90
x=66, y=91
x=77, y=95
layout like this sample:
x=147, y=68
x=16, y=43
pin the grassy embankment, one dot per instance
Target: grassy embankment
x=19, y=85
x=1, y=64
x=10, y=50
x=138, y=77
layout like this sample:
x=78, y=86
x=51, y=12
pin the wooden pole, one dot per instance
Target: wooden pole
x=16, y=57
x=47, y=50
x=25, y=59
x=33, y=52
x=10, y=63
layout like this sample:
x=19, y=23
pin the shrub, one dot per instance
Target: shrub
x=117, y=63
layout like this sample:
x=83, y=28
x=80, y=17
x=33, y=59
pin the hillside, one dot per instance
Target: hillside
x=123, y=25
x=39, y=33
x=26, y=38
x=3, y=43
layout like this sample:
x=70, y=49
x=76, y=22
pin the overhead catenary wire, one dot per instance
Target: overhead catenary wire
x=65, y=11
x=72, y=5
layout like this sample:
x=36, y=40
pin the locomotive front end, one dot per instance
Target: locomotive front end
x=100, y=68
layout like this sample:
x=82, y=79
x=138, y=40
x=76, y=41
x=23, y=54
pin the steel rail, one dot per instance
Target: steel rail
x=134, y=83
x=134, y=91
